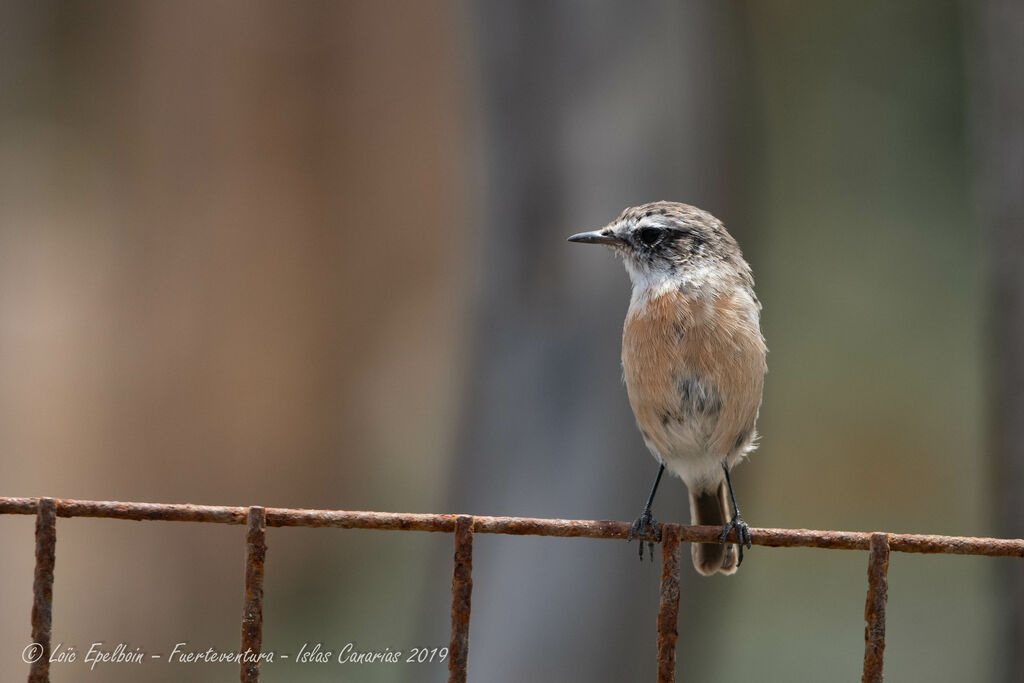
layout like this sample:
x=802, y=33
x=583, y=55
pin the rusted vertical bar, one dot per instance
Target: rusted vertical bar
x=42, y=590
x=874, y=609
x=252, y=615
x=462, y=591
x=668, y=611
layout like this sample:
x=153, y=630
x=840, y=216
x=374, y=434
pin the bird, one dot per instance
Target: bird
x=693, y=361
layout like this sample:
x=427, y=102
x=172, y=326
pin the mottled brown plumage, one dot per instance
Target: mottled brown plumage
x=692, y=354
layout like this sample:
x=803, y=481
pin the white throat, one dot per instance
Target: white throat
x=693, y=281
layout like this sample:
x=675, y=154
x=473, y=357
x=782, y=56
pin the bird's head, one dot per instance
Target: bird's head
x=667, y=244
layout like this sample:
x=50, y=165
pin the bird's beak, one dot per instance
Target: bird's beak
x=596, y=237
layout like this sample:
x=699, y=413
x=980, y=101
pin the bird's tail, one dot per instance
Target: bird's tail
x=711, y=508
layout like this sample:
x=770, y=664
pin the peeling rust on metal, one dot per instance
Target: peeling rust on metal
x=42, y=587
x=859, y=540
x=462, y=593
x=517, y=526
x=668, y=609
x=874, y=608
x=463, y=527
x=252, y=613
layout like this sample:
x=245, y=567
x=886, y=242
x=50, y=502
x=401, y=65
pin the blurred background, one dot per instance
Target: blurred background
x=313, y=255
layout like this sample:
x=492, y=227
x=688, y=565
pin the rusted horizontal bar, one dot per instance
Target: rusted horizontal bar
x=519, y=526
x=874, y=609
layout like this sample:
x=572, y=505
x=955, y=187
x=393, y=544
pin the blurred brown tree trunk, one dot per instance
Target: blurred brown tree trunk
x=574, y=130
x=999, y=131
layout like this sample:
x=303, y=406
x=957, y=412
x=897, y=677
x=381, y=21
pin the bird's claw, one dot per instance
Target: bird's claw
x=645, y=525
x=742, y=535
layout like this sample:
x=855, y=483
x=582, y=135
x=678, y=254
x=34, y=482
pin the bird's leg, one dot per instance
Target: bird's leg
x=737, y=523
x=646, y=520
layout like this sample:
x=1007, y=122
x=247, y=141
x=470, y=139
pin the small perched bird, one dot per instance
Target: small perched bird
x=693, y=359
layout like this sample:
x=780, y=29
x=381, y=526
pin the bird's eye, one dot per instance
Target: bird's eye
x=650, y=236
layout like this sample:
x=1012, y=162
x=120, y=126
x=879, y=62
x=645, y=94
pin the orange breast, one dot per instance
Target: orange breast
x=694, y=370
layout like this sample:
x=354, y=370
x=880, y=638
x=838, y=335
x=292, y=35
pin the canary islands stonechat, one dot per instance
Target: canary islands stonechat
x=693, y=359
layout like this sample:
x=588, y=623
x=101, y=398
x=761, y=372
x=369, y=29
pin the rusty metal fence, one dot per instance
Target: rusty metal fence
x=463, y=527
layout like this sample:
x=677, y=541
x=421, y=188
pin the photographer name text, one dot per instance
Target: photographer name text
x=100, y=653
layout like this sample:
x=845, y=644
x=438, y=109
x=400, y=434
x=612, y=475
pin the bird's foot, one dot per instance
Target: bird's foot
x=742, y=535
x=645, y=526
